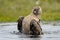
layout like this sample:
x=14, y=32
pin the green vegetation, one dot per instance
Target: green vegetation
x=10, y=10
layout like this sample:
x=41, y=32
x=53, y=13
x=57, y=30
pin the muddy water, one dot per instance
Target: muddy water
x=8, y=31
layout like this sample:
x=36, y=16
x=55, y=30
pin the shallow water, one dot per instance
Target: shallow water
x=8, y=31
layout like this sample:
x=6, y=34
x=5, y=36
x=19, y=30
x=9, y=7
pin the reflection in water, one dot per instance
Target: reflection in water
x=35, y=39
x=34, y=36
x=8, y=31
x=21, y=35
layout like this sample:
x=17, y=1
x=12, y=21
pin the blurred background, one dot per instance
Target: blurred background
x=10, y=10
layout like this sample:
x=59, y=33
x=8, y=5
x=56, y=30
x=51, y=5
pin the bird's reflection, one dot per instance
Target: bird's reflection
x=20, y=35
x=35, y=38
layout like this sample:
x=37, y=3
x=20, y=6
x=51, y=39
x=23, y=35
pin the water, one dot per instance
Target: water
x=8, y=31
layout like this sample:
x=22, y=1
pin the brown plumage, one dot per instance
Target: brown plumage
x=30, y=24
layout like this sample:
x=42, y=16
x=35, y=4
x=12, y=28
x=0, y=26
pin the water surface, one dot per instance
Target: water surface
x=8, y=31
